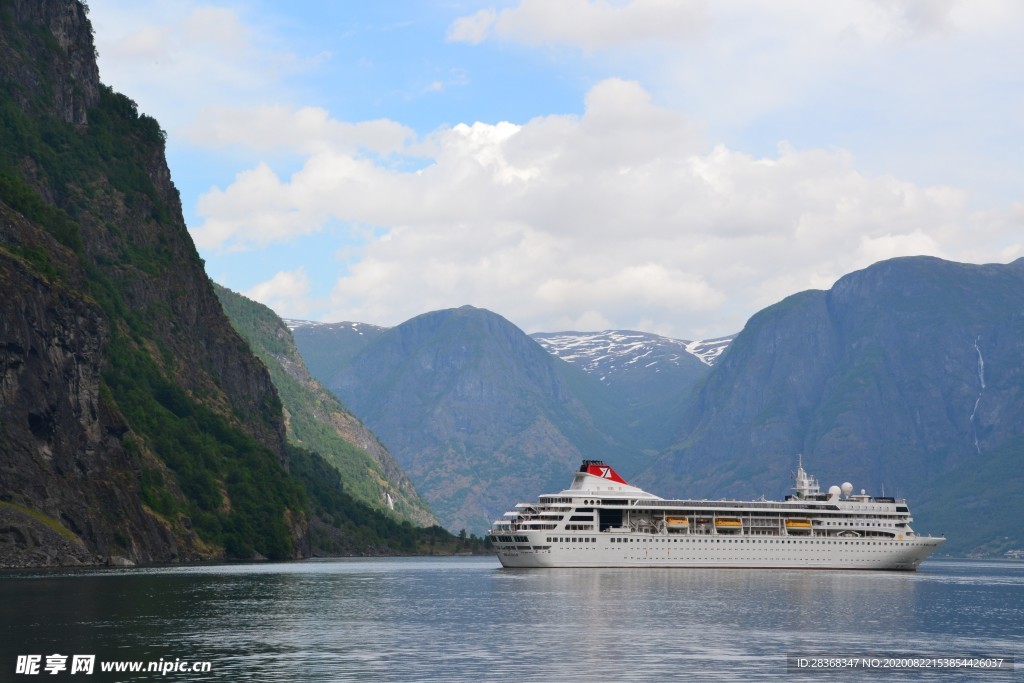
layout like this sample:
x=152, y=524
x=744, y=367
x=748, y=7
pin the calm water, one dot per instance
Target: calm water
x=462, y=619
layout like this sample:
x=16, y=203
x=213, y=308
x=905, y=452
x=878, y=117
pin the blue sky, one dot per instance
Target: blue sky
x=665, y=165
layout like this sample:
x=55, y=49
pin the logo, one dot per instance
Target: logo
x=604, y=472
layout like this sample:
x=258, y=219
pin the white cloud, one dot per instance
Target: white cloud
x=621, y=215
x=592, y=25
x=257, y=203
x=584, y=24
x=216, y=28
x=305, y=129
x=175, y=56
x=873, y=249
x=914, y=82
x=287, y=293
x=663, y=206
x=472, y=29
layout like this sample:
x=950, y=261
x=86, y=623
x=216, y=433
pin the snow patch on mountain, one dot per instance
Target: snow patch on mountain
x=708, y=350
x=294, y=324
x=609, y=351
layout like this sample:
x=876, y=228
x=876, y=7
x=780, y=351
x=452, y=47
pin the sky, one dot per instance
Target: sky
x=671, y=166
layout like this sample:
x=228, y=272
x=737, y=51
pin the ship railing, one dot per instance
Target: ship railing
x=720, y=505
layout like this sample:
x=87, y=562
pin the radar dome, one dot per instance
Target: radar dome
x=847, y=488
x=833, y=491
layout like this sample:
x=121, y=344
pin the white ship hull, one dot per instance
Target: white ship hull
x=601, y=521
x=717, y=552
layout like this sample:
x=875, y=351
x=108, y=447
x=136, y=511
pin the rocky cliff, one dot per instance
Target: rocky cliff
x=49, y=58
x=71, y=491
x=127, y=402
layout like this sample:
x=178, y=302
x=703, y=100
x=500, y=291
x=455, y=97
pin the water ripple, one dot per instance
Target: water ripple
x=463, y=619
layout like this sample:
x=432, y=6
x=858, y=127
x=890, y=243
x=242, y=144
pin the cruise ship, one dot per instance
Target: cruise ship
x=602, y=521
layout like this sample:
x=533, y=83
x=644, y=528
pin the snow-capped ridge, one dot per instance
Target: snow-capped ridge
x=610, y=350
x=294, y=324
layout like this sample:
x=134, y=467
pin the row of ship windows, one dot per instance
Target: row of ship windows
x=856, y=521
x=588, y=514
x=574, y=539
x=753, y=531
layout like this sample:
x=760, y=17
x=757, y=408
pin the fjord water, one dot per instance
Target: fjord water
x=466, y=619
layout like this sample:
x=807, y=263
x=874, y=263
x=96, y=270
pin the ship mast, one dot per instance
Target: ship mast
x=806, y=485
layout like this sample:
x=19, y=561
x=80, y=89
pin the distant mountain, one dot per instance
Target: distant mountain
x=653, y=375
x=329, y=346
x=315, y=419
x=905, y=378
x=908, y=375
x=477, y=412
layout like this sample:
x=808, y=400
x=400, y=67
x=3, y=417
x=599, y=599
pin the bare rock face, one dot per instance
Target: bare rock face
x=70, y=85
x=61, y=450
x=26, y=541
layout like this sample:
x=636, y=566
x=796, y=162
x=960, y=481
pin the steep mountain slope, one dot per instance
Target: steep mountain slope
x=93, y=216
x=653, y=375
x=58, y=494
x=908, y=375
x=316, y=420
x=477, y=412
